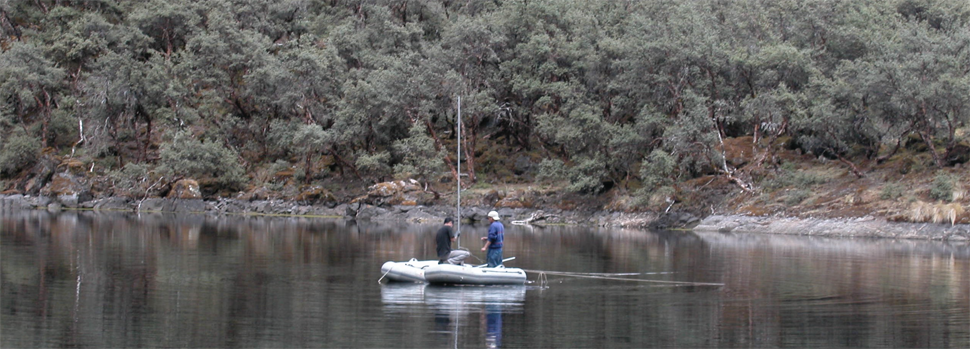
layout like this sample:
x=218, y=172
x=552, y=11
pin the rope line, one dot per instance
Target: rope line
x=385, y=274
x=542, y=274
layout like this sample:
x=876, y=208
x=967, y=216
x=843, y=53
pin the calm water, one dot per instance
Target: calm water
x=89, y=280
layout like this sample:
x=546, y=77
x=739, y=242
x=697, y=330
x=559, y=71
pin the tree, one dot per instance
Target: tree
x=209, y=161
x=169, y=23
x=419, y=157
x=29, y=87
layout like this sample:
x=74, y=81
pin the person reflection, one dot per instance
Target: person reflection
x=493, y=326
x=442, y=322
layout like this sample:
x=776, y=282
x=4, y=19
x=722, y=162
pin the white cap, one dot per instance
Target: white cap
x=493, y=215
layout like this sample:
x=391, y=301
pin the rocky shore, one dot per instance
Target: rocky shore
x=354, y=211
x=872, y=227
x=852, y=227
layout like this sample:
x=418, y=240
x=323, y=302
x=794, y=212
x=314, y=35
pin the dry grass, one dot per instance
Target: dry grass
x=937, y=212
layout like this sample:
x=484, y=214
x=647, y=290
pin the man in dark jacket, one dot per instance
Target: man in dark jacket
x=443, y=239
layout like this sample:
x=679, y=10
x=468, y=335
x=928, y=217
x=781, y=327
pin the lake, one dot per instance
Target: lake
x=88, y=280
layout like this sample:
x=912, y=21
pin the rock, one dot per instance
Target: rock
x=403, y=192
x=388, y=189
x=349, y=210
x=42, y=201
x=155, y=205
x=112, y=204
x=68, y=200
x=14, y=202
x=491, y=197
x=257, y=194
x=367, y=212
x=185, y=189
x=315, y=195
x=506, y=214
x=517, y=199
x=188, y=205
x=69, y=189
x=475, y=214
x=41, y=175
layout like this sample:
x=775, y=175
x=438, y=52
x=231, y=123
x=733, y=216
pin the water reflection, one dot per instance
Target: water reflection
x=80, y=279
x=453, y=305
x=493, y=326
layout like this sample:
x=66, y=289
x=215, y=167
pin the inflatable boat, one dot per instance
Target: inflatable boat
x=473, y=275
x=434, y=273
x=410, y=271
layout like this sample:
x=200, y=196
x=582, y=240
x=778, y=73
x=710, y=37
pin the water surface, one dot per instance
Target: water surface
x=80, y=279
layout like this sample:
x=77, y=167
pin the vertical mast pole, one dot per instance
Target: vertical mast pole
x=458, y=193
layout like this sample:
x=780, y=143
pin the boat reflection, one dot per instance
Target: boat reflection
x=450, y=304
x=464, y=299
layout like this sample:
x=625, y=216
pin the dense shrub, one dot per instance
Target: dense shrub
x=942, y=188
x=18, y=152
x=189, y=157
x=131, y=180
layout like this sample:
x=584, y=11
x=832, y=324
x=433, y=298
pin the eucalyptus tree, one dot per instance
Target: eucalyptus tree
x=215, y=63
x=299, y=84
x=30, y=84
x=470, y=54
x=558, y=71
x=912, y=81
x=10, y=30
x=277, y=20
x=214, y=165
x=676, y=71
x=420, y=158
x=169, y=23
x=309, y=139
x=377, y=100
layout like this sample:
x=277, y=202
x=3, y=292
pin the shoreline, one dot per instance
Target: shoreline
x=865, y=227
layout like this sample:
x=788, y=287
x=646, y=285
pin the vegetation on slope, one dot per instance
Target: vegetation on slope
x=763, y=107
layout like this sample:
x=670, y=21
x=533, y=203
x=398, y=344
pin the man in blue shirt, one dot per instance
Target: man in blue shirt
x=493, y=242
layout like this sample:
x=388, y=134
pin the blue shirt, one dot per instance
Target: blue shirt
x=496, y=234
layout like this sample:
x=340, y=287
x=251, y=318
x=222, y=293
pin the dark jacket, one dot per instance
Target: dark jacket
x=443, y=240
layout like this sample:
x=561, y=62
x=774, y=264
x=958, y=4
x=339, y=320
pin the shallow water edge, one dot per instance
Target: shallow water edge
x=870, y=226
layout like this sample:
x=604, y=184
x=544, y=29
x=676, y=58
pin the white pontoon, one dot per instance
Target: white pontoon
x=473, y=275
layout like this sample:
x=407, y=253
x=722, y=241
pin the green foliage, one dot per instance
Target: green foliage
x=585, y=176
x=419, y=158
x=796, y=196
x=943, y=186
x=789, y=176
x=377, y=164
x=551, y=170
x=17, y=152
x=611, y=89
x=131, y=180
x=657, y=169
x=892, y=191
x=280, y=135
x=186, y=156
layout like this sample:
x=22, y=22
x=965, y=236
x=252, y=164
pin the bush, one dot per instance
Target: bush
x=375, y=165
x=131, y=180
x=188, y=157
x=19, y=152
x=789, y=176
x=796, y=196
x=892, y=191
x=942, y=188
x=551, y=170
x=585, y=177
x=657, y=169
